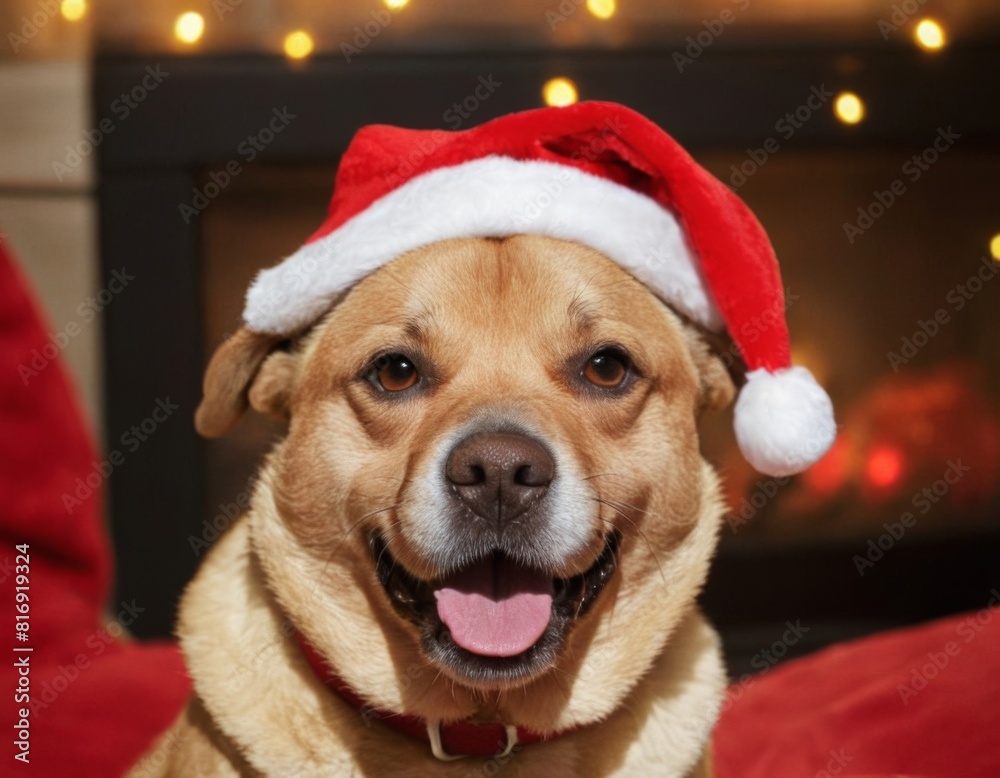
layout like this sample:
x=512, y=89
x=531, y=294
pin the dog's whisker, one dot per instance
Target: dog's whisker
x=389, y=534
x=367, y=516
x=634, y=508
x=392, y=525
x=617, y=510
x=353, y=527
x=428, y=666
x=427, y=689
x=378, y=561
x=639, y=531
x=375, y=497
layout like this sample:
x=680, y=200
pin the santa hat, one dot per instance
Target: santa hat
x=596, y=173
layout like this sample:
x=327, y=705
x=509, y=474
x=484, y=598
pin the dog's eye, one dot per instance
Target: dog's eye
x=395, y=372
x=608, y=368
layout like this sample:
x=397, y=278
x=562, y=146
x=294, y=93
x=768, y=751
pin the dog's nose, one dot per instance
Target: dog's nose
x=499, y=475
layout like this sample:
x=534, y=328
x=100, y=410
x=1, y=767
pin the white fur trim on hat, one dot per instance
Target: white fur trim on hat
x=783, y=420
x=488, y=197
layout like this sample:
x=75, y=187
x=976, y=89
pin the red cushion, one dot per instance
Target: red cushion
x=923, y=701
x=96, y=701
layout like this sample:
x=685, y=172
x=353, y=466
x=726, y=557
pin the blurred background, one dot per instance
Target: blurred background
x=154, y=154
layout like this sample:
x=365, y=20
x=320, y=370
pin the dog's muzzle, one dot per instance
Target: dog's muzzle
x=505, y=526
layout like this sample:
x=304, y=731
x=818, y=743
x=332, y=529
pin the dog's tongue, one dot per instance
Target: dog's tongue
x=496, y=607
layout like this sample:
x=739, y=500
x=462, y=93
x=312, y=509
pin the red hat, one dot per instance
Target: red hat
x=596, y=173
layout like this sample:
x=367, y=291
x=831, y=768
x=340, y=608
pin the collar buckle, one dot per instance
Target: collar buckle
x=437, y=748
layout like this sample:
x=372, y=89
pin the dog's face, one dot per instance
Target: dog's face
x=492, y=454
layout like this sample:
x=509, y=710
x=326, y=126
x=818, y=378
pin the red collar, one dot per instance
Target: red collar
x=454, y=740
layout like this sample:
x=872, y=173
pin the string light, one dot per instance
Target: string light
x=298, y=44
x=929, y=35
x=995, y=247
x=849, y=108
x=884, y=467
x=558, y=92
x=602, y=9
x=189, y=27
x=73, y=10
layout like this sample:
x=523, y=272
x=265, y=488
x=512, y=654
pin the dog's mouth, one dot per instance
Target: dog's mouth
x=495, y=620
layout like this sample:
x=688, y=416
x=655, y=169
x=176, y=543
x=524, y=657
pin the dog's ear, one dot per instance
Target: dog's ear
x=271, y=390
x=717, y=387
x=248, y=368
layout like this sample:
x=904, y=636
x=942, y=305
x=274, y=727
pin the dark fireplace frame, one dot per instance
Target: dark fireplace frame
x=726, y=99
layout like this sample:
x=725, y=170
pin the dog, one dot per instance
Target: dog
x=490, y=507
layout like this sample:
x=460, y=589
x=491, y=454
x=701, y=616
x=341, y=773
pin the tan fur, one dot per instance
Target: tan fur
x=229, y=374
x=640, y=681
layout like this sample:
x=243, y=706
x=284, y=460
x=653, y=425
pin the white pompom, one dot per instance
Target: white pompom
x=784, y=421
